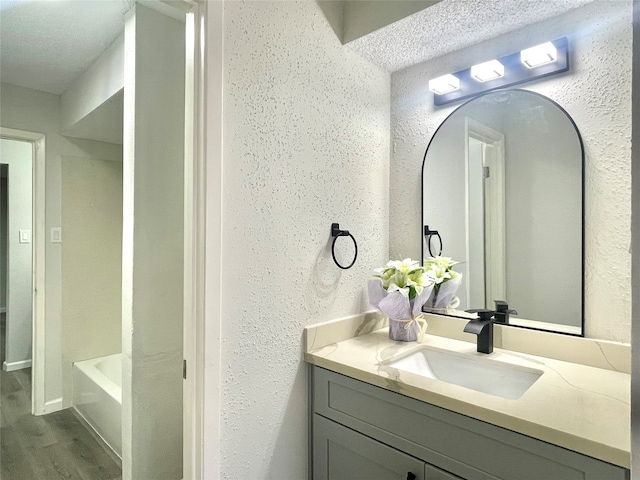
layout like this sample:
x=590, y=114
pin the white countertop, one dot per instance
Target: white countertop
x=578, y=407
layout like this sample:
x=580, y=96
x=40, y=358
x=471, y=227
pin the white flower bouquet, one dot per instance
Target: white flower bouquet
x=399, y=290
x=447, y=281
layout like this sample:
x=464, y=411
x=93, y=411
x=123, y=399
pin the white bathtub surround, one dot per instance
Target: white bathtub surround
x=97, y=397
x=91, y=260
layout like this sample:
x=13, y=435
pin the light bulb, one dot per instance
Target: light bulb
x=445, y=84
x=539, y=55
x=484, y=72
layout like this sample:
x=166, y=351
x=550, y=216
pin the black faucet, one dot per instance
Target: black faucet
x=503, y=311
x=483, y=328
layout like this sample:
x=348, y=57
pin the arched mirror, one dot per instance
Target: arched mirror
x=502, y=184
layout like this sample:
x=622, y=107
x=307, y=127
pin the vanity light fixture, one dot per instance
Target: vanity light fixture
x=529, y=64
x=539, y=55
x=444, y=84
x=487, y=71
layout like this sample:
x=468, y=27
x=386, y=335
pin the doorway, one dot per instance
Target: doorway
x=191, y=309
x=485, y=209
x=33, y=446
x=17, y=227
x=33, y=143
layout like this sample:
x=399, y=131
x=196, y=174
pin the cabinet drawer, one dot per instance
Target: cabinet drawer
x=464, y=446
x=342, y=454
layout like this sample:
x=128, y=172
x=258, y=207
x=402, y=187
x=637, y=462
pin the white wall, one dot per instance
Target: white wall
x=446, y=164
x=596, y=92
x=18, y=155
x=635, y=245
x=152, y=249
x=364, y=16
x=35, y=111
x=91, y=261
x=3, y=243
x=544, y=220
x=306, y=143
x=92, y=106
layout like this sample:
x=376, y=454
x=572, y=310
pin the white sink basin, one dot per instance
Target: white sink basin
x=480, y=374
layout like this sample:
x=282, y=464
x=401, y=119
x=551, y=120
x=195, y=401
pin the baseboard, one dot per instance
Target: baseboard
x=11, y=366
x=53, y=406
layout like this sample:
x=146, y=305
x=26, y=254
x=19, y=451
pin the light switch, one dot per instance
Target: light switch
x=25, y=236
x=56, y=235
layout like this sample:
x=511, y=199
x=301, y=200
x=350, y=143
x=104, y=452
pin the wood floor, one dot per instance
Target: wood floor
x=54, y=446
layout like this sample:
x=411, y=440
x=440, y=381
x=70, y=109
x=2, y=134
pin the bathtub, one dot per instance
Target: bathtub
x=97, y=397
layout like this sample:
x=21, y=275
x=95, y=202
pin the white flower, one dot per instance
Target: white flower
x=421, y=278
x=405, y=266
x=385, y=274
x=405, y=276
x=395, y=288
x=441, y=268
x=440, y=273
x=445, y=262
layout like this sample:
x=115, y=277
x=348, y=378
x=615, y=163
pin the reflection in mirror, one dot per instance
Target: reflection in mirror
x=502, y=183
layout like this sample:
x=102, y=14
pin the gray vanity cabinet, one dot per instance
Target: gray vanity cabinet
x=342, y=453
x=367, y=432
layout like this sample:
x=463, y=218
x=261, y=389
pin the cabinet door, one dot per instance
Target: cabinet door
x=339, y=453
x=433, y=473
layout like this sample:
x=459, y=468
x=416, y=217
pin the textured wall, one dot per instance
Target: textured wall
x=306, y=135
x=597, y=94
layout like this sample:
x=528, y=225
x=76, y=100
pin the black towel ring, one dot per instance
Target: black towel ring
x=336, y=233
x=429, y=234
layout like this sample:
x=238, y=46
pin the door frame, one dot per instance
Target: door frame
x=495, y=272
x=193, y=251
x=195, y=235
x=38, y=345
x=198, y=233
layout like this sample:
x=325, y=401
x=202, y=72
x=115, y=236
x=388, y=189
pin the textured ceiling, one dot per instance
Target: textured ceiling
x=46, y=44
x=451, y=25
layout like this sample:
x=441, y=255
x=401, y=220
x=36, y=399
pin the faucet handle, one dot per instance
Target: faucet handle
x=483, y=313
x=503, y=307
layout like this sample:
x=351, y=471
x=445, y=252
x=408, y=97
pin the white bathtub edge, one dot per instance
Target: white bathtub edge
x=88, y=367
x=88, y=423
x=97, y=400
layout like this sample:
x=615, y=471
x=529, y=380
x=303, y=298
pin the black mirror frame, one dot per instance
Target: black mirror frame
x=575, y=126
